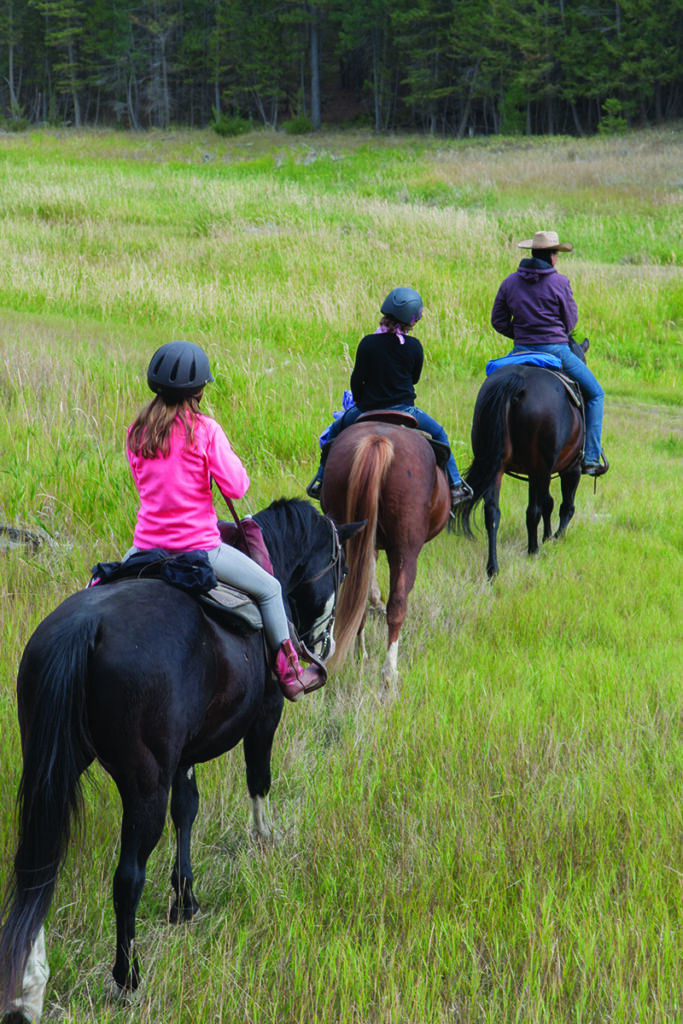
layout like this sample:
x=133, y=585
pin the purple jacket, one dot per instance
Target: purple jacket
x=535, y=305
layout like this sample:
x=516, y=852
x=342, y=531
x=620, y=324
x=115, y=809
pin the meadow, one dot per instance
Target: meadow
x=498, y=840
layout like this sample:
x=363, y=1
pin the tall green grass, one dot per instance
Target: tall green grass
x=499, y=839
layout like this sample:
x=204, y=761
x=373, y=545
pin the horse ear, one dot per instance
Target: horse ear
x=585, y=345
x=347, y=530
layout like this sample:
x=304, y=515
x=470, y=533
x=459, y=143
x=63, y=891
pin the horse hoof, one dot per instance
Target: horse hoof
x=263, y=840
x=122, y=995
x=390, y=680
x=184, y=916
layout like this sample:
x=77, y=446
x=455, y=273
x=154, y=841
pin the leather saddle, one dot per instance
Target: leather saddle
x=442, y=452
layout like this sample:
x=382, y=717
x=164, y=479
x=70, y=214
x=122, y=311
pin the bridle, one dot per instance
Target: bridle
x=320, y=634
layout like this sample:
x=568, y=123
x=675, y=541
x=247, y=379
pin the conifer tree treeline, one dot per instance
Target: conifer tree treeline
x=453, y=67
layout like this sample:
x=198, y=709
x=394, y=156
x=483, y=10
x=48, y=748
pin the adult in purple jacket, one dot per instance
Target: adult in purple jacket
x=536, y=308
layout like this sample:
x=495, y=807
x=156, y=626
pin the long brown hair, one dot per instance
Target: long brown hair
x=150, y=433
x=393, y=325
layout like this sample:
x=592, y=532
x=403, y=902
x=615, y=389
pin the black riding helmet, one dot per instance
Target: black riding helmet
x=179, y=366
x=404, y=304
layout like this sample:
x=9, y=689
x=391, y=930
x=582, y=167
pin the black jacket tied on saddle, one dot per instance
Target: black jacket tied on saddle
x=189, y=570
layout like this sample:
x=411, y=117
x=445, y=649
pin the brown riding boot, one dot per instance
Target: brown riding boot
x=295, y=681
x=594, y=468
x=459, y=493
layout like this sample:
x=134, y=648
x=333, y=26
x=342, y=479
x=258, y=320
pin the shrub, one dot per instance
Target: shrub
x=16, y=124
x=300, y=125
x=230, y=126
x=612, y=123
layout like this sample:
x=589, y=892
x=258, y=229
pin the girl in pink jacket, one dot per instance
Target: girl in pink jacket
x=175, y=451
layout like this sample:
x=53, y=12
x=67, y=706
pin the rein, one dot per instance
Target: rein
x=335, y=560
x=238, y=522
x=334, y=564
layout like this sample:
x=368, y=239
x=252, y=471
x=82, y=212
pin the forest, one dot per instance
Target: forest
x=456, y=68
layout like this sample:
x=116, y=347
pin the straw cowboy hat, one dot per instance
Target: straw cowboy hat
x=546, y=240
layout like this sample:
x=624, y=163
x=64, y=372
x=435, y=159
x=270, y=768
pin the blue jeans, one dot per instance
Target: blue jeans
x=424, y=422
x=594, y=396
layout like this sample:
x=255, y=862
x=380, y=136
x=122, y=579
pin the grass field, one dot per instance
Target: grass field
x=500, y=840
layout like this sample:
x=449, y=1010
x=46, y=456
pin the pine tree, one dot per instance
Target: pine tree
x=64, y=29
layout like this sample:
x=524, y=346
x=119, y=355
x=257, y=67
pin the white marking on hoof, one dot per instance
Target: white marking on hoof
x=121, y=995
x=261, y=828
x=389, y=669
x=34, y=982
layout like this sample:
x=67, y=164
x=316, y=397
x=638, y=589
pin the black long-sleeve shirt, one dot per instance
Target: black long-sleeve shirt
x=386, y=371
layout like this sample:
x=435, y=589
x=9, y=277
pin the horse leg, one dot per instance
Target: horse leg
x=360, y=648
x=29, y=1005
x=184, y=806
x=492, y=522
x=539, y=493
x=569, y=483
x=547, y=507
x=402, y=573
x=258, y=746
x=375, y=604
x=141, y=830
x=375, y=594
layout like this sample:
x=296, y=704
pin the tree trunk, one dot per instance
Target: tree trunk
x=468, y=103
x=577, y=119
x=74, y=88
x=375, y=81
x=315, y=69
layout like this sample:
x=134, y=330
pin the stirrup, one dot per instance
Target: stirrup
x=314, y=488
x=595, y=469
x=460, y=492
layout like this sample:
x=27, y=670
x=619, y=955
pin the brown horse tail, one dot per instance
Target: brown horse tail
x=371, y=460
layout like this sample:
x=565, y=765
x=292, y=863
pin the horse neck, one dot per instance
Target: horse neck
x=287, y=538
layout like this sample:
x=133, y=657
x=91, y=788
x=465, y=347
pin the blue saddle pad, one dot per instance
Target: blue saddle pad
x=546, y=359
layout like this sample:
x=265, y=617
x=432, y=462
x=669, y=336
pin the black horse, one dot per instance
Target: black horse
x=136, y=676
x=527, y=424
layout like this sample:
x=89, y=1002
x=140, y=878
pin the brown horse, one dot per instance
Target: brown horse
x=388, y=474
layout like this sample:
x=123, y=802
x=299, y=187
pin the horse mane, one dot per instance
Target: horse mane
x=372, y=458
x=285, y=517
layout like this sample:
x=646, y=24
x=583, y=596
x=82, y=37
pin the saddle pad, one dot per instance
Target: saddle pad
x=546, y=359
x=228, y=603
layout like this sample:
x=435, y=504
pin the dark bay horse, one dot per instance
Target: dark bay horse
x=136, y=676
x=525, y=424
x=387, y=474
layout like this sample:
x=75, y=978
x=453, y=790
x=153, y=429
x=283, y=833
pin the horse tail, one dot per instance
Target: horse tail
x=56, y=751
x=371, y=460
x=492, y=435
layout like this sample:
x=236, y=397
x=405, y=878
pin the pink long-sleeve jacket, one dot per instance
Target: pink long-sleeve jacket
x=176, y=504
